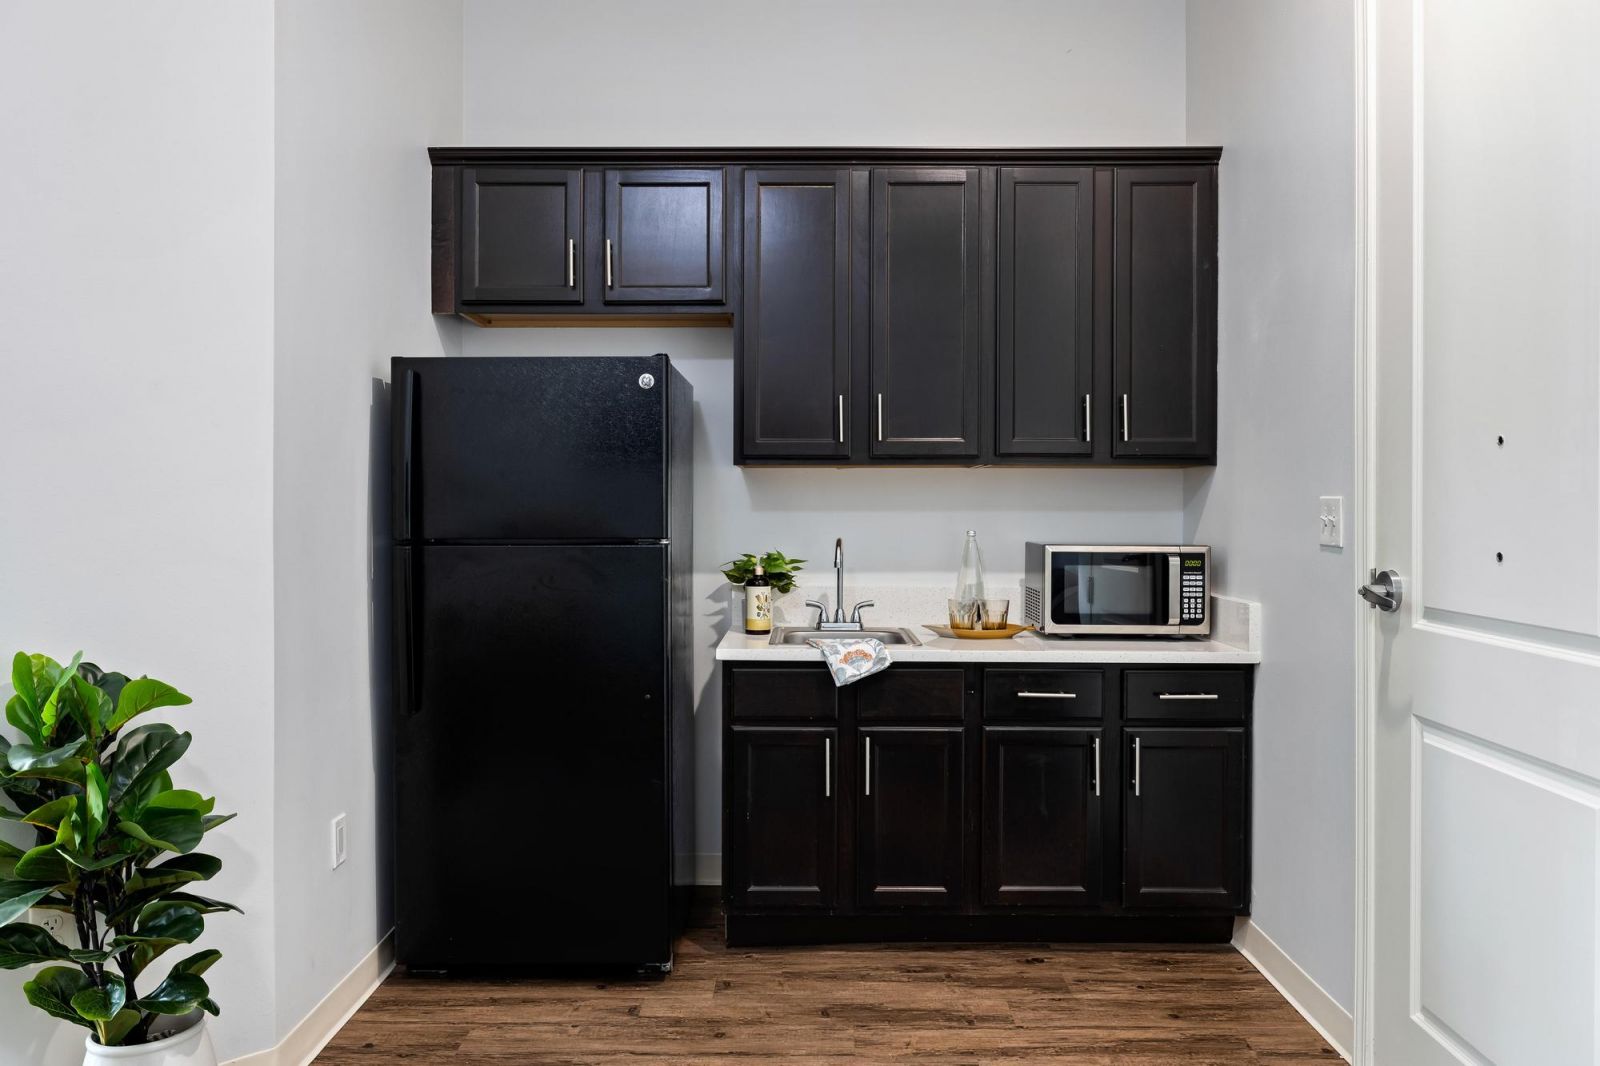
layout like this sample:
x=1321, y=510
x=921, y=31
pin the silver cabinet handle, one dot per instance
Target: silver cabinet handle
x=1136, y=766
x=572, y=263
x=827, y=767
x=1047, y=695
x=880, y=416
x=869, y=766
x=1097, y=766
x=1088, y=420
x=1124, y=416
x=841, y=418
x=1187, y=696
x=609, y=285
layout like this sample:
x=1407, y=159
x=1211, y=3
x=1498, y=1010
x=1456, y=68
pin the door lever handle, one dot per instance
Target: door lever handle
x=1384, y=590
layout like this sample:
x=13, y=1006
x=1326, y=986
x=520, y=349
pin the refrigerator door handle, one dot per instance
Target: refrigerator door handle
x=408, y=443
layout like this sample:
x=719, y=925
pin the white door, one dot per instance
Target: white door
x=1485, y=944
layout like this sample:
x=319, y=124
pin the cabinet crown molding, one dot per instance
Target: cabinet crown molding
x=832, y=156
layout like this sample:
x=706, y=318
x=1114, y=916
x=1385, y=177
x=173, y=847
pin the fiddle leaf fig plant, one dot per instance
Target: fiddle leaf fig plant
x=778, y=567
x=113, y=848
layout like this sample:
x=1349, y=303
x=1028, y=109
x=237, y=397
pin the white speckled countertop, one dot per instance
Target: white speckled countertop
x=1236, y=638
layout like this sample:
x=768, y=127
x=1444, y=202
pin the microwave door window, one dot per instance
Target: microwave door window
x=1102, y=590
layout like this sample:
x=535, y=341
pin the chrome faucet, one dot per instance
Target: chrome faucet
x=839, y=622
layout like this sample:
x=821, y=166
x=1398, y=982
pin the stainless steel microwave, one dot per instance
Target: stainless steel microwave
x=1111, y=589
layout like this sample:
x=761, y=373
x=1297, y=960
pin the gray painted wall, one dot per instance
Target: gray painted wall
x=1274, y=83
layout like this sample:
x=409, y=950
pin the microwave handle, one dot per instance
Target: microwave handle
x=1174, y=590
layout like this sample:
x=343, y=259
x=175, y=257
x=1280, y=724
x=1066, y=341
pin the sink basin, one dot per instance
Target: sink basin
x=799, y=635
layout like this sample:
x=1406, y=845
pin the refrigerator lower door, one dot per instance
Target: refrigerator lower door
x=532, y=800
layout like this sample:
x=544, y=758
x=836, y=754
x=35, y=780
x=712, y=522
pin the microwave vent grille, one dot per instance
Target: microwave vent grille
x=1032, y=606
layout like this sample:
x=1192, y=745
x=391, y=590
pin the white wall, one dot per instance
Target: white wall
x=136, y=444
x=1274, y=84
x=362, y=87
x=716, y=72
x=889, y=72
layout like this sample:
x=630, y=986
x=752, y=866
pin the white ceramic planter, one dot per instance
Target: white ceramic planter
x=188, y=1044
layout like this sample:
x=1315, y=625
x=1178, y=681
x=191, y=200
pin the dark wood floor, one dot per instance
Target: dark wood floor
x=899, y=1003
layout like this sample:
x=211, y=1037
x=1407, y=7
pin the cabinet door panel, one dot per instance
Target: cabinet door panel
x=1184, y=820
x=783, y=820
x=926, y=309
x=1164, y=312
x=1041, y=816
x=664, y=236
x=1045, y=358
x=520, y=235
x=909, y=840
x=794, y=330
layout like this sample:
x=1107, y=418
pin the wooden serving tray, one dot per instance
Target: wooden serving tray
x=1011, y=630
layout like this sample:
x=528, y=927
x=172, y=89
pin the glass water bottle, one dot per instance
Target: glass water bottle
x=969, y=585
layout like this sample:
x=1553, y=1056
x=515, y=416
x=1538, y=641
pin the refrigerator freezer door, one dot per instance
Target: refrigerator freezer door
x=530, y=449
x=531, y=765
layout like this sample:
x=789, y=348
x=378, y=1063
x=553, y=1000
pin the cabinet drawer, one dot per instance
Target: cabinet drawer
x=899, y=693
x=1035, y=694
x=1186, y=695
x=805, y=692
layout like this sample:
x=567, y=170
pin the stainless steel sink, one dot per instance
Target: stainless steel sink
x=799, y=635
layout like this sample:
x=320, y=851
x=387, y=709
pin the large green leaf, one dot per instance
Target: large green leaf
x=101, y=1004
x=182, y=799
x=22, y=944
x=49, y=707
x=92, y=815
x=25, y=716
x=17, y=896
x=108, y=681
x=144, y=694
x=52, y=989
x=196, y=866
x=198, y=963
x=50, y=815
x=45, y=863
x=169, y=830
x=142, y=754
x=117, y=1029
x=22, y=678
x=55, y=764
x=90, y=863
x=204, y=904
x=162, y=925
x=180, y=993
x=90, y=707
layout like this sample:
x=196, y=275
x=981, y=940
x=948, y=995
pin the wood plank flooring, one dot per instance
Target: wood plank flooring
x=931, y=1005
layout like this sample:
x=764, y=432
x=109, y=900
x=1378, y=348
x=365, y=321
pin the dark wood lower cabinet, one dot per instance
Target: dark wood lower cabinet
x=908, y=826
x=920, y=804
x=1183, y=839
x=784, y=840
x=1041, y=816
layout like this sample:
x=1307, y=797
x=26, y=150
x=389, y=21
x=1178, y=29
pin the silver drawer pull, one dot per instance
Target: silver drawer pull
x=1047, y=695
x=1097, y=766
x=1137, y=768
x=827, y=767
x=572, y=263
x=868, y=774
x=1187, y=696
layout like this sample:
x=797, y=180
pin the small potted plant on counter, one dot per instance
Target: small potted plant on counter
x=780, y=570
x=114, y=852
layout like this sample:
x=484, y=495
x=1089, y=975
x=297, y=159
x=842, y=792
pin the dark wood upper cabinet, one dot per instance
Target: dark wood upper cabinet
x=1184, y=819
x=783, y=850
x=909, y=817
x=664, y=236
x=1044, y=359
x=1041, y=816
x=1164, y=363
x=927, y=328
x=521, y=236
x=795, y=324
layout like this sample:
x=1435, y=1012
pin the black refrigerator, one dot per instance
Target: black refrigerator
x=542, y=693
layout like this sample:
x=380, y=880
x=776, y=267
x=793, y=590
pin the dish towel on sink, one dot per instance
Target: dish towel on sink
x=851, y=660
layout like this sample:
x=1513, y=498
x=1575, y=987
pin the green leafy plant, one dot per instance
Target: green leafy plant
x=115, y=849
x=780, y=569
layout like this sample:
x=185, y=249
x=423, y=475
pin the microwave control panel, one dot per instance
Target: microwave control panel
x=1192, y=583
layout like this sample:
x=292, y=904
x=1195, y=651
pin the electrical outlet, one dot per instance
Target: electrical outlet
x=57, y=923
x=339, y=841
x=1331, y=519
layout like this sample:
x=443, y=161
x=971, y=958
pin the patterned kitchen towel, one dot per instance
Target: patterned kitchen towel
x=851, y=660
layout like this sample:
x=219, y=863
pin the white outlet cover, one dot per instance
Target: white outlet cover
x=57, y=923
x=339, y=841
x=1330, y=520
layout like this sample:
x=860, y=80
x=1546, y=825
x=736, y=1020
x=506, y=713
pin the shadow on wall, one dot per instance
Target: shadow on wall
x=380, y=649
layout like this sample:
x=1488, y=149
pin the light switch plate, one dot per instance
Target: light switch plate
x=1331, y=521
x=338, y=842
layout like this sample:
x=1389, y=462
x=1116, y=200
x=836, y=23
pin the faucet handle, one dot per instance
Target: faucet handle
x=822, y=612
x=855, y=612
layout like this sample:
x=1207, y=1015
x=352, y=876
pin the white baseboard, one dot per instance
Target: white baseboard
x=307, y=1039
x=1298, y=987
x=708, y=868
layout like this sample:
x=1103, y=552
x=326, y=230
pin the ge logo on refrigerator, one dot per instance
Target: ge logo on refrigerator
x=647, y=381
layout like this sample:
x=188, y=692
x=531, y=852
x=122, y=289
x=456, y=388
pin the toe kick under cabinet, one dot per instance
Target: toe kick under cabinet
x=950, y=802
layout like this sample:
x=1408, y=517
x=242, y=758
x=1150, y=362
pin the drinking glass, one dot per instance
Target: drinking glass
x=993, y=613
x=963, y=613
